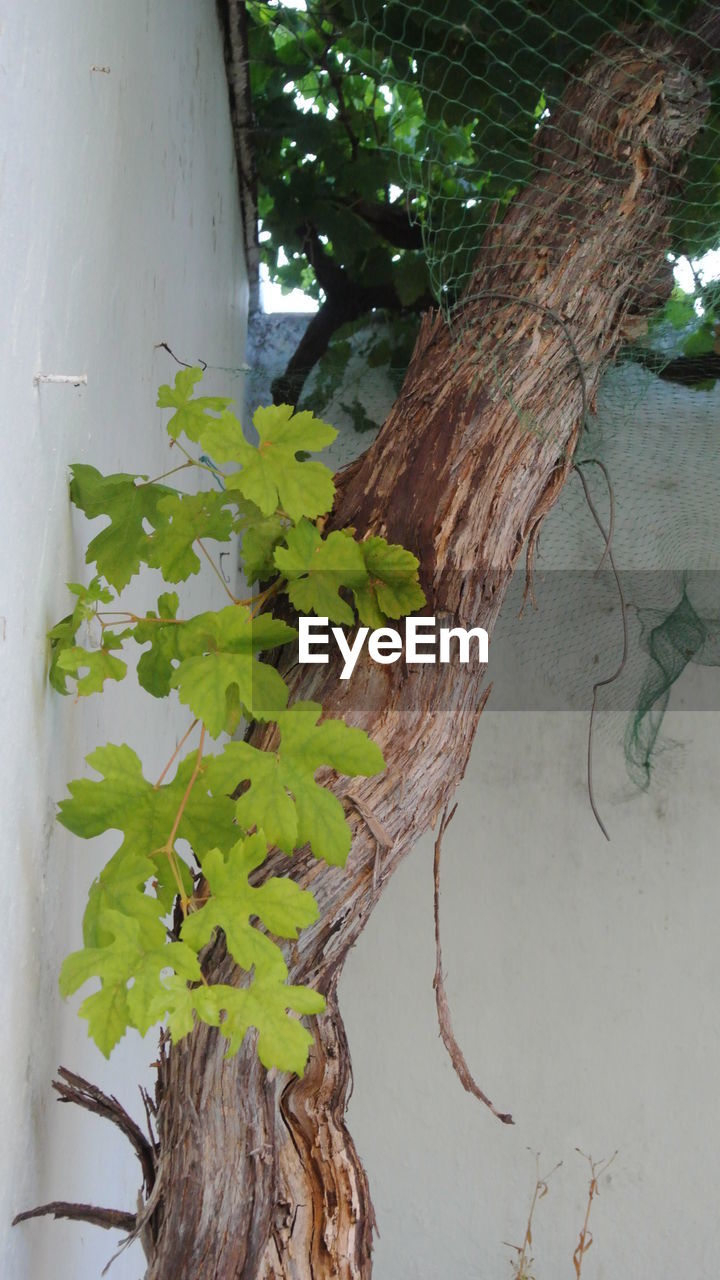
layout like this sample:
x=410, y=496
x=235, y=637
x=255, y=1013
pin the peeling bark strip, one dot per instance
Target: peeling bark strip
x=109, y=1219
x=258, y=1177
x=455, y=1053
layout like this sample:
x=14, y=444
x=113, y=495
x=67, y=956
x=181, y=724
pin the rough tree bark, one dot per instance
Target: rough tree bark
x=257, y=1176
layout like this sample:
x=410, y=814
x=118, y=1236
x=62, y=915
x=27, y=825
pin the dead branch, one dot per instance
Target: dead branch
x=73, y=1088
x=457, y=1056
x=109, y=1219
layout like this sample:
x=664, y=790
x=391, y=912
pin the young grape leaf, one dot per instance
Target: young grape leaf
x=101, y=665
x=282, y=1041
x=119, y=549
x=185, y=517
x=129, y=968
x=125, y=801
x=121, y=887
x=178, y=1004
x=224, y=645
x=258, y=545
x=190, y=416
x=223, y=437
x=155, y=666
x=391, y=588
x=272, y=475
x=63, y=634
x=316, y=568
x=283, y=798
x=279, y=904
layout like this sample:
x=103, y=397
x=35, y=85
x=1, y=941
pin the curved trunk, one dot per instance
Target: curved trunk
x=257, y=1174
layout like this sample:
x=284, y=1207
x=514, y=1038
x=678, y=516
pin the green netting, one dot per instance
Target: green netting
x=470, y=85
x=672, y=641
x=392, y=136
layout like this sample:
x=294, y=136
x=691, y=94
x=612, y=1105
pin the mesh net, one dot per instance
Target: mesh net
x=446, y=111
x=468, y=88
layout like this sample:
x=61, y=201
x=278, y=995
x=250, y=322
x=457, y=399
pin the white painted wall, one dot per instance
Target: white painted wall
x=119, y=228
x=582, y=975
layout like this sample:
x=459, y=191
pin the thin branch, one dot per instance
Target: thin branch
x=599, y=684
x=457, y=1057
x=391, y=221
x=110, y=1219
x=197, y=770
x=611, y=495
x=73, y=1088
x=201, y=363
x=175, y=753
x=343, y=112
x=345, y=300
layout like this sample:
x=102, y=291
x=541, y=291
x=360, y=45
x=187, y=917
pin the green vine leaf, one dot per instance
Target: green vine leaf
x=316, y=569
x=283, y=798
x=224, y=646
x=191, y=416
x=186, y=517
x=129, y=968
x=118, y=550
x=63, y=635
x=223, y=437
x=281, y=905
x=131, y=884
x=123, y=800
x=391, y=588
x=258, y=546
x=282, y=1042
x=284, y=909
x=156, y=665
x=145, y=973
x=272, y=476
x=100, y=664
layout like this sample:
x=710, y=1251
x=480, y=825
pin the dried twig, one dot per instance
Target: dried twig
x=523, y=1261
x=110, y=1219
x=597, y=1168
x=73, y=1088
x=184, y=363
x=457, y=1057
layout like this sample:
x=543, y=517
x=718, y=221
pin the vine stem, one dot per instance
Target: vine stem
x=134, y=617
x=173, y=470
x=193, y=462
x=600, y=684
x=168, y=848
x=175, y=753
x=260, y=600
x=216, y=571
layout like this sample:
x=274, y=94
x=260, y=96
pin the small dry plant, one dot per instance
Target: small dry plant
x=522, y=1265
x=597, y=1169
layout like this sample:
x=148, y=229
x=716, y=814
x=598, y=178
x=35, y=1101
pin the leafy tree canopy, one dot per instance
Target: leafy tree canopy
x=389, y=135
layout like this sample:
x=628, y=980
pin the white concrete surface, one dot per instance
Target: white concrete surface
x=582, y=975
x=119, y=228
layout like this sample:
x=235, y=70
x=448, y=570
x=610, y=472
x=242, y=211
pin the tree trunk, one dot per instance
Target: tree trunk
x=257, y=1175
